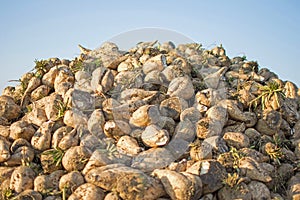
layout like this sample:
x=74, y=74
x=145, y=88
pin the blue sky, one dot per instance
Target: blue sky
x=266, y=31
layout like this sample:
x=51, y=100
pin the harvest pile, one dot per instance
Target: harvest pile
x=154, y=122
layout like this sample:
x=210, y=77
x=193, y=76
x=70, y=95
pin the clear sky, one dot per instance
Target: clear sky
x=267, y=31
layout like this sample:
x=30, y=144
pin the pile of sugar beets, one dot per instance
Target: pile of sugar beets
x=154, y=122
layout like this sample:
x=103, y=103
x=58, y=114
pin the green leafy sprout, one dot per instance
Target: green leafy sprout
x=232, y=180
x=237, y=156
x=78, y=66
x=110, y=149
x=57, y=155
x=274, y=150
x=7, y=194
x=275, y=154
x=97, y=62
x=61, y=109
x=23, y=84
x=267, y=92
x=41, y=67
